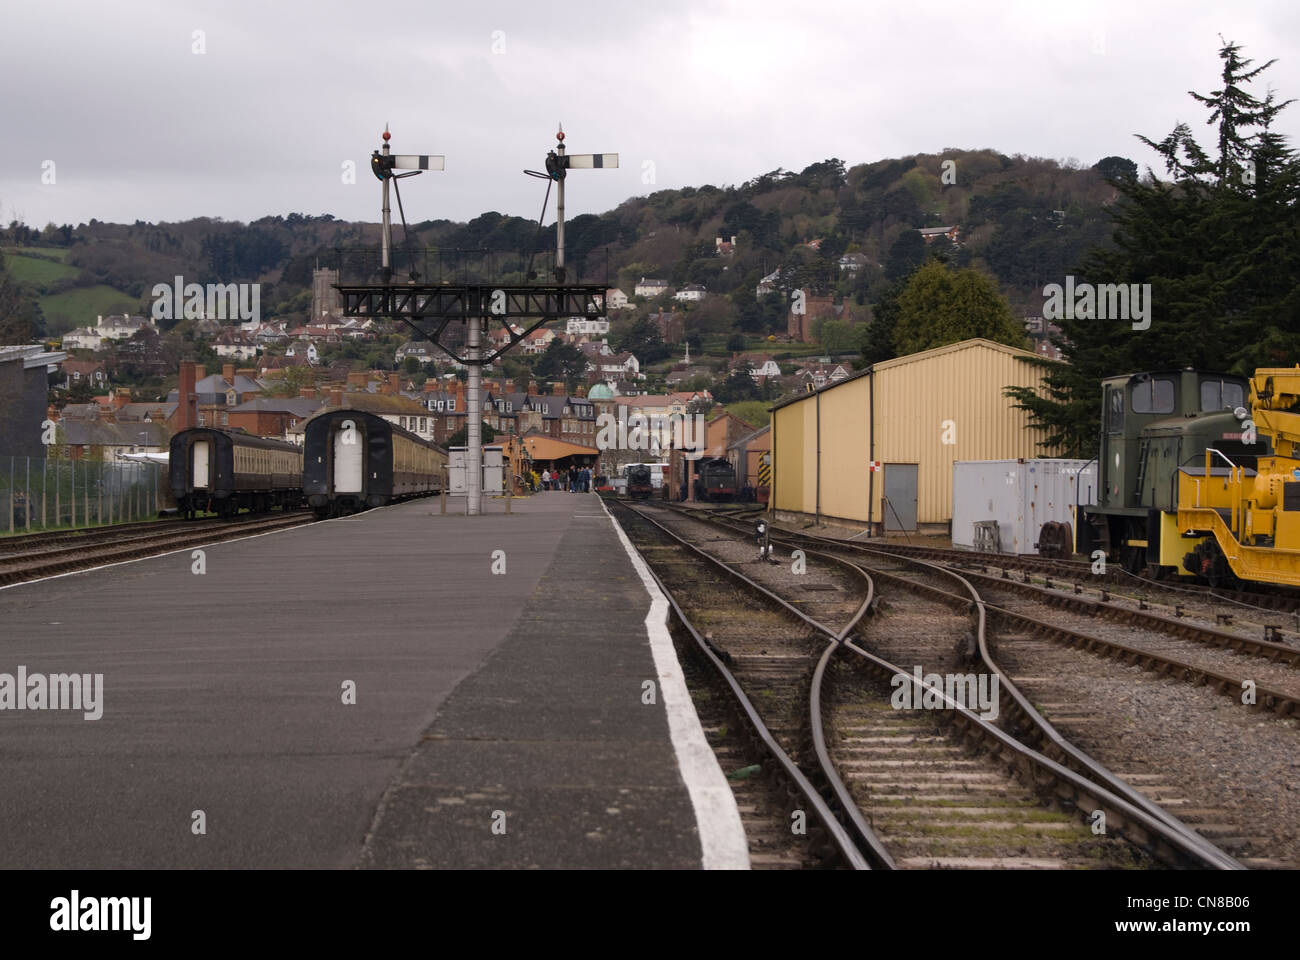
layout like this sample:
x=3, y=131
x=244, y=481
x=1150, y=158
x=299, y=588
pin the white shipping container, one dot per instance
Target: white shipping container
x=1021, y=496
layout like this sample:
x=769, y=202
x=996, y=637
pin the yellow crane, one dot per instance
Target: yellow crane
x=1252, y=516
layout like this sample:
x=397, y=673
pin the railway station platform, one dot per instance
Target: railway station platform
x=499, y=719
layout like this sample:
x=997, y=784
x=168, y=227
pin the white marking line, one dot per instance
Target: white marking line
x=155, y=556
x=722, y=835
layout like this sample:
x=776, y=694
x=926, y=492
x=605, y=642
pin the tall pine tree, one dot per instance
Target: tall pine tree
x=1218, y=245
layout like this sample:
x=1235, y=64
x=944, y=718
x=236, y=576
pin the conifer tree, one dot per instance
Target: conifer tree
x=1218, y=245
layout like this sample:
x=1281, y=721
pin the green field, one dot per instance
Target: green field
x=80, y=307
x=37, y=271
x=59, y=253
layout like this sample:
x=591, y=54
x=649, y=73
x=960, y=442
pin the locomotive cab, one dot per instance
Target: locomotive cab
x=1155, y=426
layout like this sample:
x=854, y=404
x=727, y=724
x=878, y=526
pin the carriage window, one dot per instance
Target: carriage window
x=1115, y=411
x=1221, y=395
x=1153, y=396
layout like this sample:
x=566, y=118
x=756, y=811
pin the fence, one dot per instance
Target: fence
x=41, y=494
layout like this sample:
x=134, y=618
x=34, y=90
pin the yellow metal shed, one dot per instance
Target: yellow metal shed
x=927, y=411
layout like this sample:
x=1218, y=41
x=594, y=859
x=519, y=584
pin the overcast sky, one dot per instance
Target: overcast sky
x=140, y=126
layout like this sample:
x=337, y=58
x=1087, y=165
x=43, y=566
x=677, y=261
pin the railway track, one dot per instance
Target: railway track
x=41, y=558
x=1201, y=772
x=1268, y=666
x=940, y=787
x=1277, y=599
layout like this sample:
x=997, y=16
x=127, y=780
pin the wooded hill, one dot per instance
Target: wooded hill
x=1024, y=221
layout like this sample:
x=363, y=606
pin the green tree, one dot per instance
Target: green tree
x=753, y=412
x=940, y=306
x=461, y=437
x=642, y=339
x=835, y=336
x=561, y=361
x=1218, y=246
x=1116, y=168
x=906, y=254
x=738, y=386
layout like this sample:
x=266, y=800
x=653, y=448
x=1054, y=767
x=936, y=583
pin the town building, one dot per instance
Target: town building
x=649, y=287
x=931, y=233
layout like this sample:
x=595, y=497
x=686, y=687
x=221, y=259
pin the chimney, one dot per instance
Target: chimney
x=121, y=397
x=508, y=386
x=582, y=390
x=308, y=393
x=228, y=373
x=185, y=399
x=358, y=379
x=557, y=389
x=394, y=385
x=532, y=388
x=336, y=396
x=249, y=372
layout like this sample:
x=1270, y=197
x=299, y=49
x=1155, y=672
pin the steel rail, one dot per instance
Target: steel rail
x=1173, y=830
x=875, y=854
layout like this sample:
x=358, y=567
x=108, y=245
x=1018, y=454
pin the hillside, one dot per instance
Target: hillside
x=1024, y=221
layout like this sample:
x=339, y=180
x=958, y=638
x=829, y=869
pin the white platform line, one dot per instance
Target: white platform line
x=722, y=835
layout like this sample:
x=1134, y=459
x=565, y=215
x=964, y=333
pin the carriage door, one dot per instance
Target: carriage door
x=900, y=496
x=347, y=461
x=202, y=459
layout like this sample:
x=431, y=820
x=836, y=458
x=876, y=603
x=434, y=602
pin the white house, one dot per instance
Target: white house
x=302, y=348
x=615, y=300
x=235, y=343
x=768, y=283
x=649, y=287
x=691, y=292
x=616, y=365
x=762, y=366
x=853, y=262
x=537, y=341
x=583, y=327
x=422, y=350
x=121, y=327
x=82, y=338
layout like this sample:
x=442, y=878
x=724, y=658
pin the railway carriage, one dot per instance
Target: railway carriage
x=355, y=460
x=223, y=472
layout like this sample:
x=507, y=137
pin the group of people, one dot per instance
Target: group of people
x=575, y=479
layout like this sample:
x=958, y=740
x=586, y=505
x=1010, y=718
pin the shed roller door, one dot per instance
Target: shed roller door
x=347, y=462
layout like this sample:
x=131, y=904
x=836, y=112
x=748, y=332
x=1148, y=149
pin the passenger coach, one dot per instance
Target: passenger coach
x=224, y=472
x=354, y=460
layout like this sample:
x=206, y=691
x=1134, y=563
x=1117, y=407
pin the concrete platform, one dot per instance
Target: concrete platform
x=498, y=720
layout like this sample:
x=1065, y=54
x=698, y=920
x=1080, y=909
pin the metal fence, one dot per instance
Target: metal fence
x=43, y=494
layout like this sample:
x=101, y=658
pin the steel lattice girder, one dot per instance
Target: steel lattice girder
x=428, y=308
x=407, y=301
